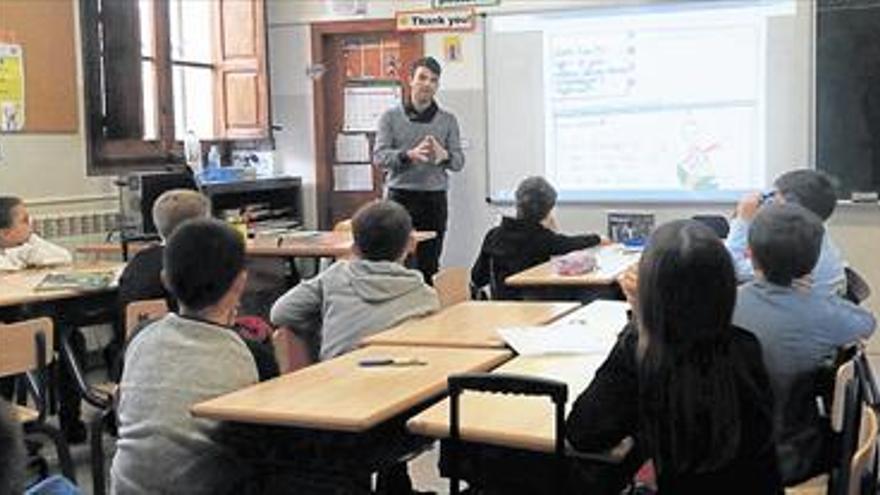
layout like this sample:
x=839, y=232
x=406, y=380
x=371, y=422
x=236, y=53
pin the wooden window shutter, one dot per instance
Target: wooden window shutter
x=241, y=90
x=122, y=76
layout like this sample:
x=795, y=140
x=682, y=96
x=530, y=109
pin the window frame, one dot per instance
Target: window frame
x=113, y=156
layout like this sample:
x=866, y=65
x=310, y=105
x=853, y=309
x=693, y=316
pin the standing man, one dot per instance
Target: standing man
x=417, y=144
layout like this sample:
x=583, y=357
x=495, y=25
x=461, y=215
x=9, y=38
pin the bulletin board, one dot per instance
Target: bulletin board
x=45, y=31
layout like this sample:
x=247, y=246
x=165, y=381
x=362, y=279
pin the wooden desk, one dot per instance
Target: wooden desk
x=317, y=245
x=17, y=288
x=341, y=395
x=512, y=421
x=543, y=275
x=471, y=324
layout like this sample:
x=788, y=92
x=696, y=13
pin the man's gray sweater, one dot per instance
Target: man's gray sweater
x=398, y=134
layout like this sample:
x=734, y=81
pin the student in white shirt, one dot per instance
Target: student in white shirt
x=21, y=248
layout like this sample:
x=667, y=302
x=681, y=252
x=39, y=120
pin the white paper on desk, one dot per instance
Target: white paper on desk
x=599, y=316
x=357, y=177
x=612, y=261
x=352, y=148
x=561, y=339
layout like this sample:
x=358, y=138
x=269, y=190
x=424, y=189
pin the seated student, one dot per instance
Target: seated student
x=330, y=313
x=525, y=241
x=180, y=360
x=140, y=280
x=814, y=191
x=688, y=386
x=798, y=329
x=19, y=246
x=11, y=452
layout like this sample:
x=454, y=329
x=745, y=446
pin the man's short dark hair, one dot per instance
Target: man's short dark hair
x=7, y=204
x=11, y=451
x=381, y=230
x=811, y=189
x=201, y=261
x=785, y=240
x=535, y=197
x=429, y=63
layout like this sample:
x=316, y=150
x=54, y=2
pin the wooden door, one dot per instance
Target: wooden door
x=353, y=54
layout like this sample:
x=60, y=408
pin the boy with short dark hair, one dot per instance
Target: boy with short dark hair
x=20, y=247
x=814, y=191
x=330, y=313
x=180, y=360
x=798, y=328
x=525, y=241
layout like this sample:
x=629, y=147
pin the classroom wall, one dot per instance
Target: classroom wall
x=856, y=228
x=49, y=170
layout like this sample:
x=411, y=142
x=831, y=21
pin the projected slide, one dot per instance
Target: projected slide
x=656, y=104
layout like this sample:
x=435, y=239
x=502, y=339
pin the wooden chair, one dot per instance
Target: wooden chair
x=852, y=425
x=499, y=383
x=290, y=352
x=857, y=289
x=26, y=351
x=103, y=395
x=137, y=312
x=717, y=223
x=342, y=226
x=862, y=467
x=452, y=285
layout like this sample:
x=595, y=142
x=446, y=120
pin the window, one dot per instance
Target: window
x=156, y=69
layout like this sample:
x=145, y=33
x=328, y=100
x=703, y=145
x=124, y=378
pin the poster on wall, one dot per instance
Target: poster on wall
x=452, y=48
x=436, y=20
x=11, y=87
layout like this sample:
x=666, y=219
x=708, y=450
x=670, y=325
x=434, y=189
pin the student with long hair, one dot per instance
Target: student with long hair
x=689, y=387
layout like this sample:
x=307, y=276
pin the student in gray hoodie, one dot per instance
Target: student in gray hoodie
x=330, y=313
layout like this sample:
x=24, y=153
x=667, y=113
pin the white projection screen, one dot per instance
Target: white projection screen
x=664, y=101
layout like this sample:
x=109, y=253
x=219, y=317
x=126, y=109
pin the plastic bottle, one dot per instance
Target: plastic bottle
x=212, y=170
x=214, y=157
x=192, y=151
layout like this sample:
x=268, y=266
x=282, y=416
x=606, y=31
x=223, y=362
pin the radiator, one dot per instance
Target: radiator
x=66, y=228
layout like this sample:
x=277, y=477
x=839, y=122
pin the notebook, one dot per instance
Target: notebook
x=76, y=281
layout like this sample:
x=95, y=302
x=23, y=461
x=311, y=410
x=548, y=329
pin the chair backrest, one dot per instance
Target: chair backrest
x=861, y=467
x=717, y=223
x=138, y=312
x=502, y=383
x=452, y=285
x=846, y=418
x=19, y=347
x=845, y=377
x=281, y=346
x=342, y=226
x=857, y=289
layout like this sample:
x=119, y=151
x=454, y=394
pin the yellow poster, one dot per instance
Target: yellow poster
x=452, y=48
x=11, y=88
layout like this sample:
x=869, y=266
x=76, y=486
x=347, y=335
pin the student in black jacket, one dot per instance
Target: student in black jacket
x=525, y=241
x=689, y=387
